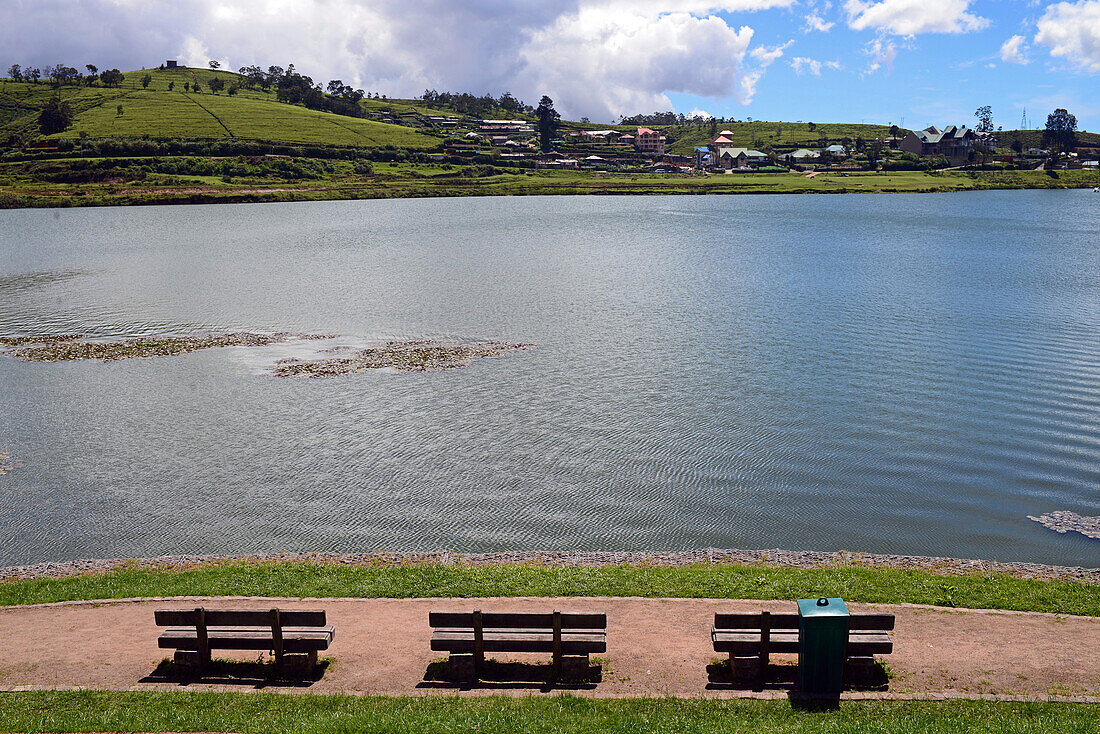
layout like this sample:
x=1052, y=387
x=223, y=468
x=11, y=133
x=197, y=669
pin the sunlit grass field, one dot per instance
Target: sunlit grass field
x=156, y=112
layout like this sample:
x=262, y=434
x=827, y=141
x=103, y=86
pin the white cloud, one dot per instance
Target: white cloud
x=910, y=17
x=598, y=58
x=1014, y=50
x=813, y=66
x=700, y=113
x=882, y=51
x=1072, y=31
x=765, y=56
x=815, y=22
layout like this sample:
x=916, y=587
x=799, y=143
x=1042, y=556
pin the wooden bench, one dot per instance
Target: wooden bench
x=292, y=635
x=752, y=637
x=570, y=637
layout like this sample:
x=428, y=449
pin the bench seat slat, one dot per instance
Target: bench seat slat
x=248, y=638
x=570, y=644
x=240, y=617
x=747, y=642
x=518, y=620
x=789, y=621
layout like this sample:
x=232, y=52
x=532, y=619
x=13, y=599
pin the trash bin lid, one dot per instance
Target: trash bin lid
x=822, y=607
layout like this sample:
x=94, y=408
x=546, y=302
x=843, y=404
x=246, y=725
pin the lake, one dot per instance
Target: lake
x=910, y=374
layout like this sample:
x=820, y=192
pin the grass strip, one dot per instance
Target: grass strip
x=704, y=580
x=87, y=711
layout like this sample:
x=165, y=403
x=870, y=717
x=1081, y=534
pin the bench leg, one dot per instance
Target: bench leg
x=859, y=671
x=573, y=667
x=746, y=668
x=462, y=667
x=189, y=662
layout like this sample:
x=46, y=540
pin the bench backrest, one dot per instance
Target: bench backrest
x=518, y=620
x=784, y=621
x=239, y=617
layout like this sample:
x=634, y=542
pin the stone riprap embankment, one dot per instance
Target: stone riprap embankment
x=793, y=559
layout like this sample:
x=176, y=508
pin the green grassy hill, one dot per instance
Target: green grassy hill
x=760, y=134
x=156, y=112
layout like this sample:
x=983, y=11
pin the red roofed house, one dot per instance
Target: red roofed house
x=649, y=141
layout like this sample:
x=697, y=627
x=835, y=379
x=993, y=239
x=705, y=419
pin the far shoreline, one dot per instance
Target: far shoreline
x=939, y=565
x=429, y=185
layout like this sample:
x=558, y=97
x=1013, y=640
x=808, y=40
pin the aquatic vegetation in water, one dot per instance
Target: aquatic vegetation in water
x=403, y=356
x=1064, y=521
x=66, y=347
x=7, y=464
x=43, y=339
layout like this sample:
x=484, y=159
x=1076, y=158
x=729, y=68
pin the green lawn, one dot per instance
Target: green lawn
x=92, y=711
x=299, y=579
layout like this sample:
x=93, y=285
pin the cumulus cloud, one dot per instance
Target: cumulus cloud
x=814, y=22
x=910, y=17
x=1072, y=31
x=598, y=58
x=802, y=64
x=1014, y=50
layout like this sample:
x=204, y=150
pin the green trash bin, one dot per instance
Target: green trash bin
x=822, y=643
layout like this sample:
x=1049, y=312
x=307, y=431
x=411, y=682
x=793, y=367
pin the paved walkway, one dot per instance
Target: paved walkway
x=656, y=647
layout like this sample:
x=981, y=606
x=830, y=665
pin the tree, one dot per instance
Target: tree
x=93, y=73
x=35, y=74
x=187, y=86
x=55, y=116
x=1060, y=132
x=196, y=88
x=874, y=153
x=548, y=122
x=812, y=126
x=171, y=86
x=145, y=81
x=894, y=132
x=233, y=89
x=216, y=84
x=111, y=78
x=985, y=119
x=214, y=64
x=119, y=111
x=15, y=73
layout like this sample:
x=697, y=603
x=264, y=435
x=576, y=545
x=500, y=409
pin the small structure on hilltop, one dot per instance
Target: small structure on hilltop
x=170, y=64
x=952, y=142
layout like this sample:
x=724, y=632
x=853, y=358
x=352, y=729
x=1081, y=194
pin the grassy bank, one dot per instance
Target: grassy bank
x=89, y=711
x=297, y=579
x=141, y=181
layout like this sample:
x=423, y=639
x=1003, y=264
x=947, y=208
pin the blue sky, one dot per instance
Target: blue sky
x=910, y=62
x=932, y=78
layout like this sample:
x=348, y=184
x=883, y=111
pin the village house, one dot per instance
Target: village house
x=725, y=155
x=505, y=127
x=649, y=141
x=802, y=155
x=952, y=142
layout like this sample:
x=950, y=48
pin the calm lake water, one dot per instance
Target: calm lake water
x=899, y=374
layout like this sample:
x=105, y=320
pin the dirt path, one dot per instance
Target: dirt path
x=656, y=647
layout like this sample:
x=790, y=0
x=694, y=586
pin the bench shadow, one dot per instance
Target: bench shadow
x=505, y=675
x=253, y=673
x=775, y=677
x=784, y=676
